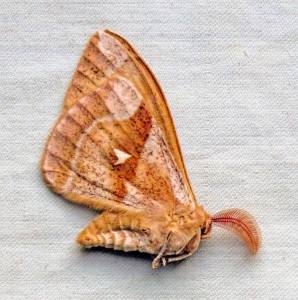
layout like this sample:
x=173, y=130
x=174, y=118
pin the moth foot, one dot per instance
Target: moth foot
x=155, y=263
x=206, y=236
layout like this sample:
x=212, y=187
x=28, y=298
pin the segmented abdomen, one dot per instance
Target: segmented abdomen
x=123, y=240
x=118, y=232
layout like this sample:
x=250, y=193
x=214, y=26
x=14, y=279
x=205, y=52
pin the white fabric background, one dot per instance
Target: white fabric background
x=229, y=71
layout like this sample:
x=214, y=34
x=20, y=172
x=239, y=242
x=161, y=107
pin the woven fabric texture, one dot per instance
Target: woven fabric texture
x=229, y=72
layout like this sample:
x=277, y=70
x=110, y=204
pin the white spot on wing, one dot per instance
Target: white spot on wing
x=121, y=109
x=122, y=156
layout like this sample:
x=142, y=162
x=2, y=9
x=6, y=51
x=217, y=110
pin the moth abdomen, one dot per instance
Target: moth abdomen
x=126, y=240
x=120, y=232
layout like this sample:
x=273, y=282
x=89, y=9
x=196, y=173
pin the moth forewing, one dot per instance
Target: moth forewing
x=114, y=148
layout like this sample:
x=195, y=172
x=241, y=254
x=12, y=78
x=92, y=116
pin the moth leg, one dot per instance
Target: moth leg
x=155, y=263
x=205, y=236
x=180, y=257
x=189, y=249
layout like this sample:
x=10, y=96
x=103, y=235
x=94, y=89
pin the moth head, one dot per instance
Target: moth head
x=207, y=225
x=241, y=223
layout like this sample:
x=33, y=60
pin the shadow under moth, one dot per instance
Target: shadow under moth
x=114, y=148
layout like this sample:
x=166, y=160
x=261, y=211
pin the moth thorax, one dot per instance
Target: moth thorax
x=191, y=222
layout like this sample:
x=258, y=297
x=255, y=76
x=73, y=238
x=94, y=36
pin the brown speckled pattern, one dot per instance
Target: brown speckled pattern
x=114, y=148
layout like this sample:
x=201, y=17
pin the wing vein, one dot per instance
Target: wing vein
x=67, y=164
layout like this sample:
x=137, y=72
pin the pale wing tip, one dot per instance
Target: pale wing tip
x=106, y=30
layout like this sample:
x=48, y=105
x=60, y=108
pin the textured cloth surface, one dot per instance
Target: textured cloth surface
x=229, y=72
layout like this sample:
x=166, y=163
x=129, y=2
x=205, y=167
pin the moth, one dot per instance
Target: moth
x=114, y=148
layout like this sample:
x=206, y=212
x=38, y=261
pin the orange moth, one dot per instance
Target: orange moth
x=114, y=148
